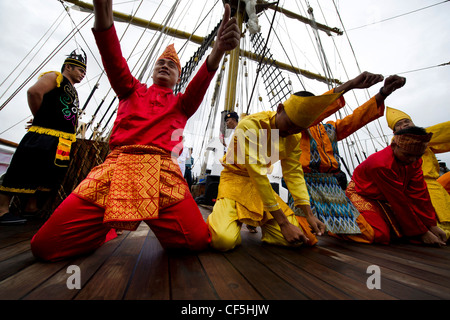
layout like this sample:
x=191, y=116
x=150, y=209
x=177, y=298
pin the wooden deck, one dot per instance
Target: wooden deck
x=135, y=267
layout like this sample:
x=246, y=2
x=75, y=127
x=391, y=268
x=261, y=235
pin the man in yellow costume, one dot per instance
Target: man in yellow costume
x=245, y=194
x=439, y=143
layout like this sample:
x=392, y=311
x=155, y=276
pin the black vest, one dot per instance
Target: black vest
x=59, y=109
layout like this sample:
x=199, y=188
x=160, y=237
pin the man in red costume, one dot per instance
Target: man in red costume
x=320, y=157
x=390, y=192
x=140, y=180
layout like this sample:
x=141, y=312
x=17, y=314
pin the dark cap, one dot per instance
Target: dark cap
x=78, y=60
x=233, y=115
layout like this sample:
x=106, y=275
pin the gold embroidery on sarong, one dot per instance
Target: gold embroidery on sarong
x=134, y=190
x=364, y=204
x=132, y=185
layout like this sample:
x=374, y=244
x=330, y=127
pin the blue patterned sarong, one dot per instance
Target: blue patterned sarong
x=329, y=204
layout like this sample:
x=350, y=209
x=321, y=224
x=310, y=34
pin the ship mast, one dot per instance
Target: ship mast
x=118, y=16
x=238, y=8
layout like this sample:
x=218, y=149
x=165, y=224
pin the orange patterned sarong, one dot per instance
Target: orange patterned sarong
x=382, y=208
x=133, y=184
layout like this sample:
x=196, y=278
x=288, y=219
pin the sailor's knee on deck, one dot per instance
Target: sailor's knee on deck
x=223, y=243
x=382, y=237
x=195, y=240
x=44, y=249
x=224, y=226
x=200, y=241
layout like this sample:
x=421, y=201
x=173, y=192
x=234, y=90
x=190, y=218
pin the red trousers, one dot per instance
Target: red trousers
x=76, y=227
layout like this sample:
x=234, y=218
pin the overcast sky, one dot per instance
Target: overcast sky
x=386, y=36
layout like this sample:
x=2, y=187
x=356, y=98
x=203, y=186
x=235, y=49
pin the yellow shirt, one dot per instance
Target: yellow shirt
x=262, y=148
x=439, y=143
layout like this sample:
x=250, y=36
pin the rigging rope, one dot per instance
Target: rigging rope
x=378, y=128
x=289, y=59
x=140, y=37
x=49, y=57
x=15, y=124
x=398, y=16
x=356, y=99
x=168, y=18
x=29, y=54
x=310, y=38
x=262, y=56
x=95, y=134
x=426, y=68
x=78, y=31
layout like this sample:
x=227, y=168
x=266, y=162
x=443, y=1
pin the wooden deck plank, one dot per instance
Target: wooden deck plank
x=111, y=280
x=310, y=266
x=268, y=283
x=428, y=255
x=351, y=287
x=227, y=281
x=12, y=235
x=189, y=281
x=20, y=232
x=309, y=285
x=55, y=288
x=13, y=250
x=23, y=282
x=357, y=269
x=421, y=282
x=151, y=280
x=16, y=263
x=134, y=266
x=393, y=255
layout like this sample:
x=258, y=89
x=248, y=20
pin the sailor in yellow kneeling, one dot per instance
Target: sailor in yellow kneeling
x=245, y=194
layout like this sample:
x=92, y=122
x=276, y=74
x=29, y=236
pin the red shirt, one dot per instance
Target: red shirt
x=382, y=177
x=148, y=115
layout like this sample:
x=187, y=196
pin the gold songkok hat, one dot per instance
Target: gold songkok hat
x=171, y=54
x=393, y=116
x=413, y=143
x=303, y=111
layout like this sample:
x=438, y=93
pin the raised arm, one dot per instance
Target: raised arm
x=366, y=80
x=391, y=84
x=227, y=39
x=363, y=81
x=116, y=67
x=103, y=15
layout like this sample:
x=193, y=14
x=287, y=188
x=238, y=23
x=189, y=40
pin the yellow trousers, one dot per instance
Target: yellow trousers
x=225, y=227
x=440, y=199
